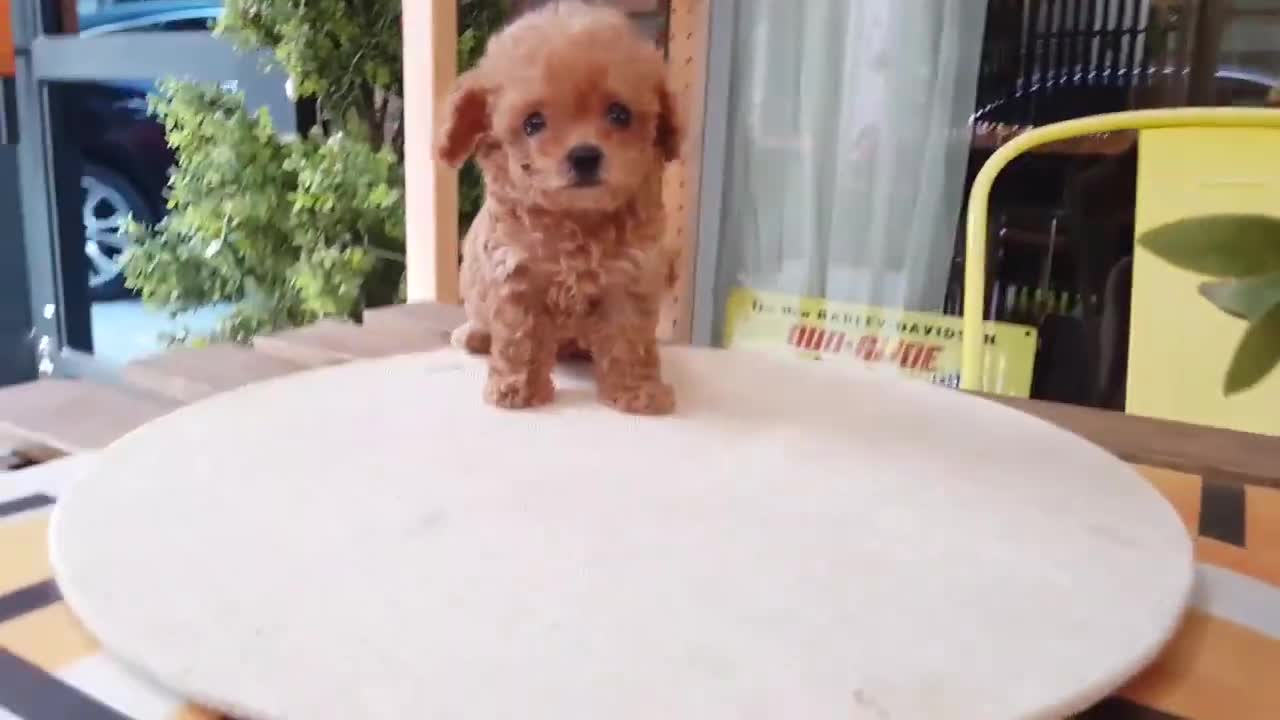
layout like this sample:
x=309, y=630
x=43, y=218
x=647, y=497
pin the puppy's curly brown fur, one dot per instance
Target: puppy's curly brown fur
x=570, y=119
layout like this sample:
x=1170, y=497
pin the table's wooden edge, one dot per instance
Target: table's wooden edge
x=1223, y=455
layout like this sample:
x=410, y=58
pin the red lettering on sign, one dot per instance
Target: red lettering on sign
x=867, y=348
x=835, y=342
x=930, y=360
x=909, y=357
x=809, y=337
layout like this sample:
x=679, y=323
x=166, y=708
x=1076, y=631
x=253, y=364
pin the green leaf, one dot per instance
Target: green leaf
x=1245, y=298
x=1219, y=245
x=1257, y=354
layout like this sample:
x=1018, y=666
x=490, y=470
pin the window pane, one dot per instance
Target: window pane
x=111, y=163
x=1248, y=70
x=855, y=131
x=846, y=158
x=97, y=17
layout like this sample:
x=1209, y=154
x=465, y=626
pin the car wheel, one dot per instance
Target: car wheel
x=109, y=201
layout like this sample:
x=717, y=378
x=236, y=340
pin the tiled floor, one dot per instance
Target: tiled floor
x=49, y=668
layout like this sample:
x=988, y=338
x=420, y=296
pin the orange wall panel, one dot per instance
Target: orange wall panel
x=6, y=39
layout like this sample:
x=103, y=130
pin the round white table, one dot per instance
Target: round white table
x=801, y=540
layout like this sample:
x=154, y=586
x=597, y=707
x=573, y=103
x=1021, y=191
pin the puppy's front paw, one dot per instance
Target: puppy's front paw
x=515, y=393
x=471, y=339
x=655, y=398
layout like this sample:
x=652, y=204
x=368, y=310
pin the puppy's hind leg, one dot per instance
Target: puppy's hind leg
x=473, y=339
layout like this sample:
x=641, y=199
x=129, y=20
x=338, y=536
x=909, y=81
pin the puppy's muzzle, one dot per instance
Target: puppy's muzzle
x=584, y=162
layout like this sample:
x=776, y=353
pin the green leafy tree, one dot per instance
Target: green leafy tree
x=1242, y=255
x=291, y=229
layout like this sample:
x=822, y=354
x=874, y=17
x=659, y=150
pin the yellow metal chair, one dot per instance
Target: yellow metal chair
x=975, y=271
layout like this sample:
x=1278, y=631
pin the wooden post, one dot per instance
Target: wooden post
x=431, y=189
x=68, y=17
x=687, y=37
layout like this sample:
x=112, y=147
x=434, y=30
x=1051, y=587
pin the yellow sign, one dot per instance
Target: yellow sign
x=924, y=345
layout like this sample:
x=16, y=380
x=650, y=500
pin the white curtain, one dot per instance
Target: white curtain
x=847, y=147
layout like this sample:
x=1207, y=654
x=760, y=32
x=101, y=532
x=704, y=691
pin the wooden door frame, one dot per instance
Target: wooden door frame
x=688, y=26
x=430, y=38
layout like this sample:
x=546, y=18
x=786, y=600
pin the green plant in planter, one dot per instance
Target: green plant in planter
x=292, y=229
x=1242, y=254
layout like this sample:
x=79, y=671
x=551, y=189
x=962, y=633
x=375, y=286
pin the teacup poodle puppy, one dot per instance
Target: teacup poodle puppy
x=570, y=119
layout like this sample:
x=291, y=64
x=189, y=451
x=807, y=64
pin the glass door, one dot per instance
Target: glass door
x=843, y=138
x=834, y=174
x=16, y=358
x=90, y=156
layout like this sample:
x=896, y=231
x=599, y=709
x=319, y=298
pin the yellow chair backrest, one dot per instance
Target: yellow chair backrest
x=976, y=222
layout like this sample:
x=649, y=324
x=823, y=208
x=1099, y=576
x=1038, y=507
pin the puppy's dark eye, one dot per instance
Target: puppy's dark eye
x=534, y=124
x=619, y=115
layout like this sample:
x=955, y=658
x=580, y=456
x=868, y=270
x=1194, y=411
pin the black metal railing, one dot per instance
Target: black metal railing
x=1049, y=60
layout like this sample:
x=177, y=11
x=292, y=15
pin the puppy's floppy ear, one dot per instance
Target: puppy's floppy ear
x=670, y=134
x=466, y=120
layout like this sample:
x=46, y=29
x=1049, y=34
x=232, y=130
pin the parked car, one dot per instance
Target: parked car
x=126, y=160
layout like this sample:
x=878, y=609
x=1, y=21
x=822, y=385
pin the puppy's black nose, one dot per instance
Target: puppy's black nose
x=585, y=161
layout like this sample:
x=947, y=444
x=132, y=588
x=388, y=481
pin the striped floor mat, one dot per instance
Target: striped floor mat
x=1222, y=665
